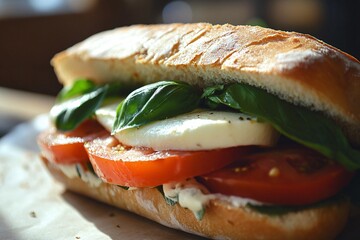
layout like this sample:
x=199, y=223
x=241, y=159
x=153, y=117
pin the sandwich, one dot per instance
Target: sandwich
x=227, y=132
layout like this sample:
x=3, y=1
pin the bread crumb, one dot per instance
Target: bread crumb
x=33, y=214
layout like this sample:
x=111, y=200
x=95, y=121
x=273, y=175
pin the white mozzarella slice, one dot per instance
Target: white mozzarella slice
x=198, y=130
x=106, y=116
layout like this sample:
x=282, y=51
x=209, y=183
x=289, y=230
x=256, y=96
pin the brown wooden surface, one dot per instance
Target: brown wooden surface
x=23, y=105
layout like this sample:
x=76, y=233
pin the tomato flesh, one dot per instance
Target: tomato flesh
x=144, y=167
x=285, y=175
x=288, y=176
x=68, y=147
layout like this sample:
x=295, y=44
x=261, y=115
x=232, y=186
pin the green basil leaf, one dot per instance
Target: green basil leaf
x=81, y=168
x=155, y=102
x=169, y=201
x=78, y=170
x=209, y=96
x=200, y=214
x=123, y=187
x=278, y=210
x=68, y=114
x=117, y=89
x=79, y=87
x=306, y=127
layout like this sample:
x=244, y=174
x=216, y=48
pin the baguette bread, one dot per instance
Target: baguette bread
x=297, y=67
x=222, y=220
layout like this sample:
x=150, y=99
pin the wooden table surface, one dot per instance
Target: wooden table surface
x=23, y=105
x=20, y=106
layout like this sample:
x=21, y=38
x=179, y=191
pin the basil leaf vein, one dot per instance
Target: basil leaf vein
x=154, y=102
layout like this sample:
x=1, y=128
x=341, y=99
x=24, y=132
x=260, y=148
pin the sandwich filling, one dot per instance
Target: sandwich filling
x=231, y=140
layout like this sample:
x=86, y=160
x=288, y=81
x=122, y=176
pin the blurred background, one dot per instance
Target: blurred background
x=32, y=31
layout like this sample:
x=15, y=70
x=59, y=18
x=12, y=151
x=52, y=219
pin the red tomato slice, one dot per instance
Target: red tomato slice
x=68, y=147
x=144, y=167
x=294, y=176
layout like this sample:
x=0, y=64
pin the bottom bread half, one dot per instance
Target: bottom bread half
x=221, y=219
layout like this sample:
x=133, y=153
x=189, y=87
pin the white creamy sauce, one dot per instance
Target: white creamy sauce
x=188, y=194
x=73, y=171
x=68, y=170
x=198, y=130
x=193, y=196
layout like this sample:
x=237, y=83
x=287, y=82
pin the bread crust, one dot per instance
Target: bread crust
x=296, y=67
x=221, y=220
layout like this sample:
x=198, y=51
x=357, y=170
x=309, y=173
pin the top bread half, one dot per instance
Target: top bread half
x=298, y=68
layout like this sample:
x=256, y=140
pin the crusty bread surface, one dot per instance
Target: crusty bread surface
x=221, y=220
x=296, y=67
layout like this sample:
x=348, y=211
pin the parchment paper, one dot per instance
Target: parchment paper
x=34, y=206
